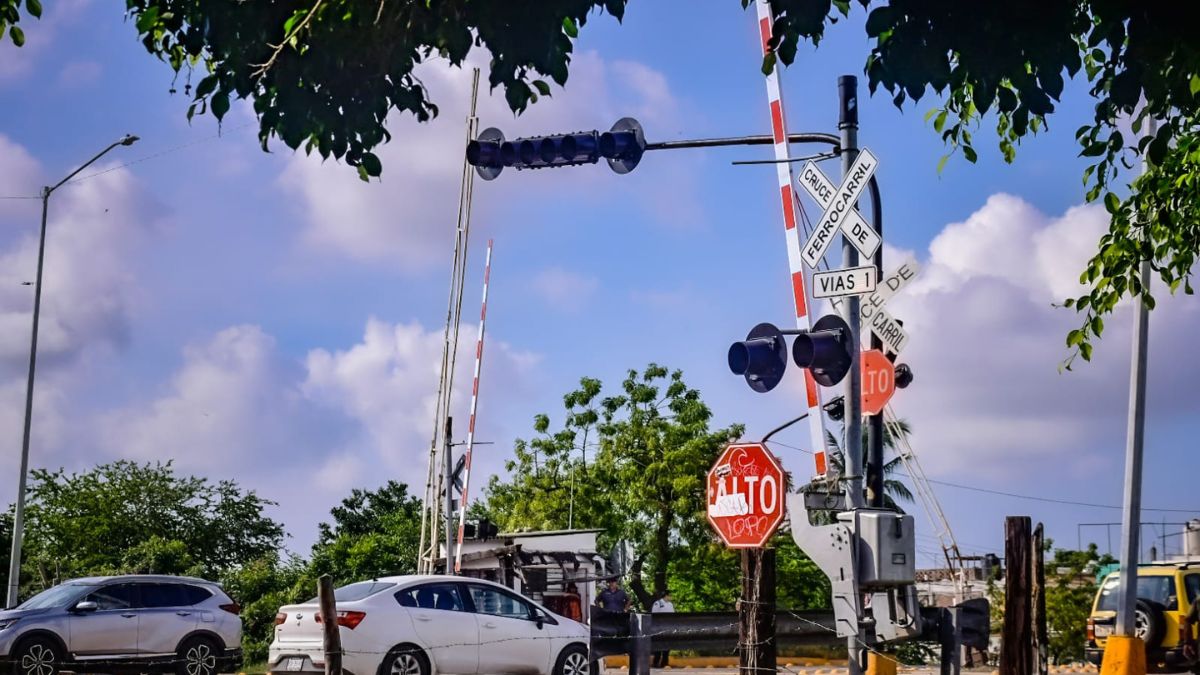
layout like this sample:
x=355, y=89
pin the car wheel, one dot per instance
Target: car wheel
x=405, y=660
x=197, y=656
x=1148, y=623
x=38, y=656
x=573, y=661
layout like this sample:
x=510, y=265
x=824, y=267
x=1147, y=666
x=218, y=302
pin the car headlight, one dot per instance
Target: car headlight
x=5, y=623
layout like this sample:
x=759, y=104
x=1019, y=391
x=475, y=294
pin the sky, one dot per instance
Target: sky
x=269, y=318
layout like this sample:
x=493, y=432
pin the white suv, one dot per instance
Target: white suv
x=143, y=623
x=418, y=625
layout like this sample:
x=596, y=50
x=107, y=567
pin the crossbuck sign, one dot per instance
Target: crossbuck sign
x=840, y=213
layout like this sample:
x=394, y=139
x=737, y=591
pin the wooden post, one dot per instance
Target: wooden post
x=331, y=635
x=1041, y=636
x=1016, y=649
x=756, y=613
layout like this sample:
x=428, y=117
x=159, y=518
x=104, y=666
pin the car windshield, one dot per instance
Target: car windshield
x=58, y=596
x=358, y=591
x=1160, y=589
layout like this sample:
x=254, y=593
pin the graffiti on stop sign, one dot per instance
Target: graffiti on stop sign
x=744, y=495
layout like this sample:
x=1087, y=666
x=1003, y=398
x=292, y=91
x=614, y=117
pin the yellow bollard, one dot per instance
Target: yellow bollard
x=1124, y=655
x=882, y=665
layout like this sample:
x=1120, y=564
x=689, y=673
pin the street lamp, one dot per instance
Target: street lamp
x=14, y=564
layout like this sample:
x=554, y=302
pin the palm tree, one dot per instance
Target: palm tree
x=894, y=490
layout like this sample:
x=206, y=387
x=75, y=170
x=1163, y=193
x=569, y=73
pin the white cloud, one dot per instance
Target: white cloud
x=87, y=292
x=78, y=74
x=16, y=63
x=986, y=344
x=387, y=384
x=304, y=433
x=563, y=289
x=409, y=216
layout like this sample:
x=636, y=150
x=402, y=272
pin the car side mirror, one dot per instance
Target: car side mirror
x=540, y=621
x=85, y=606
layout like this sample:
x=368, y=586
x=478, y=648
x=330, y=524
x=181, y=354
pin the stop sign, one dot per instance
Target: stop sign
x=746, y=493
x=878, y=381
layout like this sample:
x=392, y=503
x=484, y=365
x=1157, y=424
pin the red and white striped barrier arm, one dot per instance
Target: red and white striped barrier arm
x=462, y=507
x=791, y=212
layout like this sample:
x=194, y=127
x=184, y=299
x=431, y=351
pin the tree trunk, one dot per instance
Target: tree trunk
x=662, y=545
x=635, y=584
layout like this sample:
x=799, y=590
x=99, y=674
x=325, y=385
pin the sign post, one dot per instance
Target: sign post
x=746, y=494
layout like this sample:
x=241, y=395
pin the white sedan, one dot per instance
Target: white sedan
x=425, y=625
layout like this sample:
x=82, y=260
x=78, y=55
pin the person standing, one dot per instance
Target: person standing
x=613, y=599
x=660, y=606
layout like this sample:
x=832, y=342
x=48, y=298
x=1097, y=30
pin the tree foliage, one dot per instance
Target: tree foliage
x=1070, y=589
x=325, y=74
x=374, y=533
x=1141, y=61
x=129, y=517
x=644, y=482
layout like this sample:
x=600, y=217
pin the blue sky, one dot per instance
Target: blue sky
x=270, y=318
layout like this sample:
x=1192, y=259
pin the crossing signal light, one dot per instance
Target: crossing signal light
x=762, y=357
x=622, y=147
x=826, y=350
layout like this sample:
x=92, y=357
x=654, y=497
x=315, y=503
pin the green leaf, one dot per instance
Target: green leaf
x=34, y=7
x=17, y=35
x=768, y=64
x=969, y=153
x=1085, y=350
x=362, y=174
x=372, y=164
x=219, y=104
x=1075, y=337
x=1194, y=85
x=206, y=86
x=880, y=20
x=1097, y=325
x=570, y=28
x=1112, y=203
x=542, y=87
x=942, y=163
x=939, y=122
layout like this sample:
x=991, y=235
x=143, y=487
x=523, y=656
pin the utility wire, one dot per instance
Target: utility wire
x=1014, y=495
x=161, y=153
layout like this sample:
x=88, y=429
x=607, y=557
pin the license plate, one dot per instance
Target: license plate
x=1103, y=631
x=294, y=664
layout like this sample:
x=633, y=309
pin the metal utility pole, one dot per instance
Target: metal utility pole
x=431, y=516
x=848, y=127
x=14, y=565
x=1132, y=515
x=448, y=481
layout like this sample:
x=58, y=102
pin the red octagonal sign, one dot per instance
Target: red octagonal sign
x=746, y=495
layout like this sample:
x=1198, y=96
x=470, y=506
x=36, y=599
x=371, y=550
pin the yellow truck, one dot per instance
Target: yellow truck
x=1165, y=592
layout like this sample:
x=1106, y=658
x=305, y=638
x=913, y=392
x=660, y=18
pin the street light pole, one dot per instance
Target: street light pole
x=18, y=534
x=1135, y=432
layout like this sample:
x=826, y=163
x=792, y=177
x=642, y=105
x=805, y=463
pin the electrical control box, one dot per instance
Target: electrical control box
x=887, y=548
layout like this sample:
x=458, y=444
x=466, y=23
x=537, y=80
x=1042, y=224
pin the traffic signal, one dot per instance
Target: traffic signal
x=762, y=357
x=904, y=375
x=622, y=146
x=826, y=351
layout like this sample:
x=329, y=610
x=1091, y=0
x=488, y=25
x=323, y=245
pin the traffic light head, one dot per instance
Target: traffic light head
x=761, y=358
x=826, y=350
x=904, y=375
x=485, y=153
x=622, y=147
